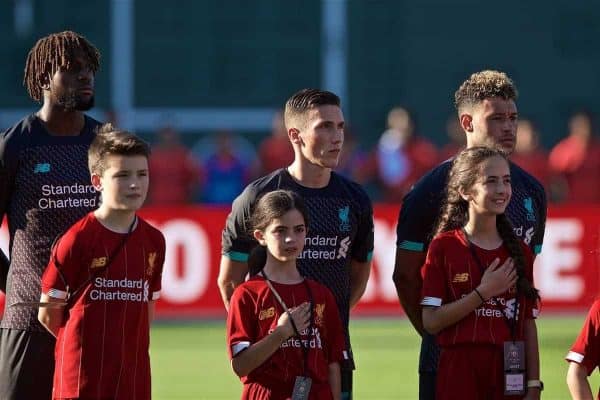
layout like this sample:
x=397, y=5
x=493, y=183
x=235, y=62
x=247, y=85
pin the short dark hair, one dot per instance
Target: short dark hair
x=484, y=85
x=52, y=52
x=306, y=99
x=112, y=141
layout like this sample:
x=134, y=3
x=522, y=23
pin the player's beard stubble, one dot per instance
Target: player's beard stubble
x=72, y=101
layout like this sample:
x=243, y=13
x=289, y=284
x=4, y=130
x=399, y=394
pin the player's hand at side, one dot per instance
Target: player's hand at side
x=301, y=317
x=497, y=278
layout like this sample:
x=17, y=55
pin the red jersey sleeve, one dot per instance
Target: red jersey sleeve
x=434, y=276
x=336, y=345
x=157, y=268
x=586, y=349
x=64, y=270
x=242, y=322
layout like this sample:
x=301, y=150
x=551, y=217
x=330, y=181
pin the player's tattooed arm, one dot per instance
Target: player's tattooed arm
x=408, y=282
x=51, y=317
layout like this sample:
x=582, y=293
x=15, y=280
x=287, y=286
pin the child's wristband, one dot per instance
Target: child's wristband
x=480, y=296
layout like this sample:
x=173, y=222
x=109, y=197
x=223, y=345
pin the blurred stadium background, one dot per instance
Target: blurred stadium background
x=203, y=81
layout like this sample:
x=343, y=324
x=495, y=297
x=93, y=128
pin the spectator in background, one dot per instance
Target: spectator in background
x=458, y=140
x=275, y=151
x=355, y=162
x=174, y=174
x=577, y=160
x=528, y=154
x=402, y=156
x=226, y=168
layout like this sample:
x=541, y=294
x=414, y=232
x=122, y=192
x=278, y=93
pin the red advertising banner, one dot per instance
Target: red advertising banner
x=566, y=272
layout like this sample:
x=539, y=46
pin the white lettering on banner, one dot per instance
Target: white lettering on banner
x=384, y=255
x=193, y=281
x=559, y=257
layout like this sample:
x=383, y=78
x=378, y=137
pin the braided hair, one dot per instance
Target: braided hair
x=52, y=52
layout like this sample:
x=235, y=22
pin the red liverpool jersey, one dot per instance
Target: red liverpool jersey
x=450, y=272
x=253, y=314
x=586, y=349
x=102, y=346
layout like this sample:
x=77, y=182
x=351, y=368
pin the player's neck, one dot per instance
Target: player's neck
x=61, y=122
x=116, y=220
x=481, y=230
x=282, y=272
x=309, y=175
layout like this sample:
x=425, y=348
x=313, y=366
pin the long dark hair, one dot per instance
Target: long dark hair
x=270, y=206
x=465, y=171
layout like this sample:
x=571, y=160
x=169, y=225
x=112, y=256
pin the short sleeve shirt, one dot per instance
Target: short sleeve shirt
x=586, y=349
x=452, y=272
x=340, y=230
x=44, y=188
x=253, y=314
x=102, y=346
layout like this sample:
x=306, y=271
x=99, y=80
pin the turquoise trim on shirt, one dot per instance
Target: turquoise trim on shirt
x=413, y=246
x=537, y=249
x=369, y=256
x=237, y=256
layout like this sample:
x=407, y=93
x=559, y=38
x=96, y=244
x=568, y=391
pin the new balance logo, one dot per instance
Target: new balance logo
x=41, y=168
x=344, y=245
x=461, y=278
x=268, y=313
x=98, y=262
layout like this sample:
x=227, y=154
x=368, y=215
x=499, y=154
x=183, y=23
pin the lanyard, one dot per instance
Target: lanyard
x=510, y=323
x=305, y=349
x=111, y=258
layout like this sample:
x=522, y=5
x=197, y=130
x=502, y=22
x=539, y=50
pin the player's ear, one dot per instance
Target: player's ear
x=96, y=182
x=45, y=82
x=294, y=136
x=466, y=122
x=260, y=237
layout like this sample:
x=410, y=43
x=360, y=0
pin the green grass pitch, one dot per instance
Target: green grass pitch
x=189, y=360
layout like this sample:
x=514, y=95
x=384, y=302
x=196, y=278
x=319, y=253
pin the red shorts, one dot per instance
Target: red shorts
x=471, y=372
